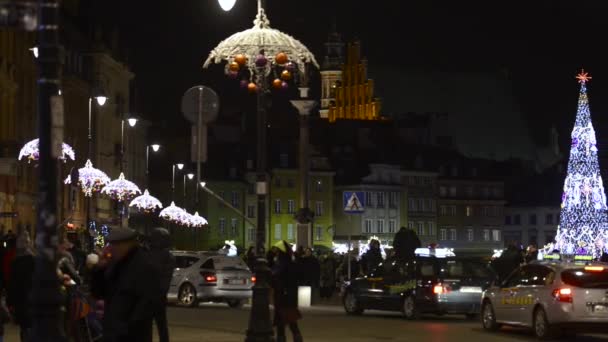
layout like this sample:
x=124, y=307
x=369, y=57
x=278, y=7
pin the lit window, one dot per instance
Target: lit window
x=443, y=234
x=431, y=226
x=380, y=226
x=368, y=226
x=222, y=226
x=319, y=209
x=421, y=231
x=319, y=233
x=486, y=235
x=290, y=232
x=496, y=235
x=291, y=206
x=234, y=227
x=469, y=210
x=277, y=231
x=470, y=234
x=392, y=226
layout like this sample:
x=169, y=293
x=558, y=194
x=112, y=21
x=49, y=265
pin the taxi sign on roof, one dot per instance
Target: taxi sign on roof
x=436, y=252
x=583, y=257
x=552, y=257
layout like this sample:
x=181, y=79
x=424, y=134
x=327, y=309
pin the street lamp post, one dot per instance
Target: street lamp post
x=190, y=176
x=257, y=51
x=179, y=167
x=155, y=148
x=101, y=100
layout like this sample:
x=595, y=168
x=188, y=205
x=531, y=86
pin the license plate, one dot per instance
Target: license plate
x=470, y=289
x=600, y=308
x=235, y=281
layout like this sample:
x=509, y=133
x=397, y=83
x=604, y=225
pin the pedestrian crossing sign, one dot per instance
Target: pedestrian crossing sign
x=353, y=202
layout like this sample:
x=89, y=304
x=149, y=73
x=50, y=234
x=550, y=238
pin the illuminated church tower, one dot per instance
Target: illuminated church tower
x=346, y=93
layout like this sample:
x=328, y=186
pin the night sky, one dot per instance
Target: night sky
x=540, y=44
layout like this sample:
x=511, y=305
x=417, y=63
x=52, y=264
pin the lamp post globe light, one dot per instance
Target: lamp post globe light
x=132, y=122
x=252, y=56
x=155, y=147
x=227, y=5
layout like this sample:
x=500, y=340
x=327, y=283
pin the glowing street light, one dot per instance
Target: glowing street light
x=190, y=175
x=101, y=100
x=203, y=184
x=34, y=51
x=132, y=122
x=227, y=5
x=180, y=166
x=155, y=147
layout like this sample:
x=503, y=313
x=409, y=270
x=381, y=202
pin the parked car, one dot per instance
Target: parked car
x=435, y=282
x=551, y=297
x=209, y=277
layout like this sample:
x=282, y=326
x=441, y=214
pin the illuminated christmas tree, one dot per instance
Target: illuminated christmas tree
x=583, y=218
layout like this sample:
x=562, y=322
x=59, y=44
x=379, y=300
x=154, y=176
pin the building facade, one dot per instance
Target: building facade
x=526, y=225
x=385, y=205
x=471, y=214
x=421, y=188
x=346, y=92
x=18, y=180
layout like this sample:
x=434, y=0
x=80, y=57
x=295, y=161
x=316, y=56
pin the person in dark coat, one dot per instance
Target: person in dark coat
x=129, y=285
x=161, y=257
x=328, y=276
x=285, y=286
x=20, y=285
x=310, y=269
x=372, y=258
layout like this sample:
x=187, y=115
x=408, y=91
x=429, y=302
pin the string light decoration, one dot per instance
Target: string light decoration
x=196, y=221
x=90, y=179
x=173, y=214
x=583, y=217
x=121, y=189
x=31, y=152
x=146, y=203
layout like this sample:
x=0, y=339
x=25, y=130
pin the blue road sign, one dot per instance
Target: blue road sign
x=353, y=202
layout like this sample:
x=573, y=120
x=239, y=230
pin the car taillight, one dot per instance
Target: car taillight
x=253, y=279
x=209, y=277
x=440, y=289
x=563, y=295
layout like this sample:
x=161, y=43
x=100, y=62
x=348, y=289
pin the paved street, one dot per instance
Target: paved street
x=218, y=323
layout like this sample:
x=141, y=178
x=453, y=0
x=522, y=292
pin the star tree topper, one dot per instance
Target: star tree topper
x=583, y=77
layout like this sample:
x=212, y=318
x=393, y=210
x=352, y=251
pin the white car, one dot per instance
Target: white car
x=209, y=277
x=551, y=297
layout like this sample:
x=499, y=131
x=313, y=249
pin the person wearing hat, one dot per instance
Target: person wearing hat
x=285, y=292
x=129, y=285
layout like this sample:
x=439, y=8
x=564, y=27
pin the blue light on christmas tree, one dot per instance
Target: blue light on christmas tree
x=583, y=217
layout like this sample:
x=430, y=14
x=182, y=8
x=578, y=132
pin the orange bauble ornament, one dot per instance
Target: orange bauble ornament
x=240, y=59
x=234, y=66
x=281, y=58
x=277, y=83
x=252, y=87
x=286, y=75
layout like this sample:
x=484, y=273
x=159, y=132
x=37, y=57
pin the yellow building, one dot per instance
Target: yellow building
x=347, y=93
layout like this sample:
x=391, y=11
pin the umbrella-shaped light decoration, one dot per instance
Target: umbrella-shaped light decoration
x=146, y=203
x=30, y=151
x=90, y=179
x=186, y=219
x=196, y=221
x=121, y=189
x=173, y=213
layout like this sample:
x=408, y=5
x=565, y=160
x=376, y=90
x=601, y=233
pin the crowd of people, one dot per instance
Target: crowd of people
x=112, y=294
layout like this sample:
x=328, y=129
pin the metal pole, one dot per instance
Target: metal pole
x=173, y=185
x=185, y=206
x=260, y=327
x=199, y=140
x=90, y=137
x=45, y=298
x=147, y=163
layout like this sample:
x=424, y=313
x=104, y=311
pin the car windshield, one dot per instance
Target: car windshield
x=580, y=277
x=452, y=268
